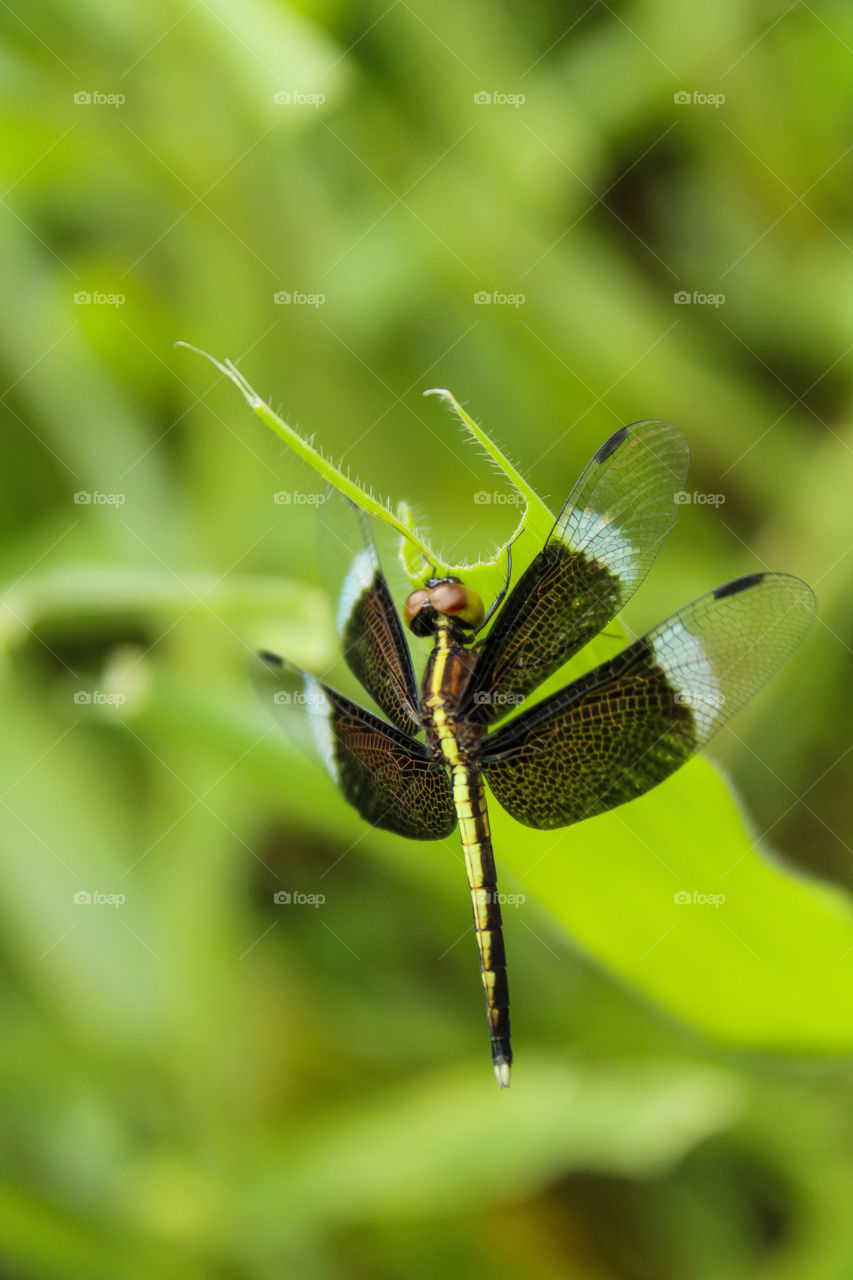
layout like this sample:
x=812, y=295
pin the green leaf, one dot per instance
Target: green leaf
x=487, y=576
x=768, y=967
x=536, y=518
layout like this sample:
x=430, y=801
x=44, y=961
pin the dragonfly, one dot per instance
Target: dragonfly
x=420, y=768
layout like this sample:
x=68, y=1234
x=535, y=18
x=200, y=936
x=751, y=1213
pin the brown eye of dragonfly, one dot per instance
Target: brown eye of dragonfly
x=459, y=602
x=413, y=606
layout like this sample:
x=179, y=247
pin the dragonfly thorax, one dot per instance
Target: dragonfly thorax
x=441, y=601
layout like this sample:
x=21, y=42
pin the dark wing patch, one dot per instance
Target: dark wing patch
x=372, y=636
x=387, y=776
x=619, y=731
x=600, y=549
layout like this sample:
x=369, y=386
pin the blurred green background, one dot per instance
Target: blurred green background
x=197, y=1082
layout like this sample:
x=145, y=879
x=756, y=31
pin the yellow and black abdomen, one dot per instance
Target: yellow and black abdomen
x=469, y=798
x=444, y=678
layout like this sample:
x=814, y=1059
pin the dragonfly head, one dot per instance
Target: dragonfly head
x=439, y=601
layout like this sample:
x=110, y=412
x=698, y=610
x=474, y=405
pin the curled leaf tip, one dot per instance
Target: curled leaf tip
x=231, y=371
x=198, y=350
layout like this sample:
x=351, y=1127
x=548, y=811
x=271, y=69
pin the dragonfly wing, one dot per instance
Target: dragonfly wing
x=386, y=775
x=372, y=636
x=626, y=726
x=600, y=549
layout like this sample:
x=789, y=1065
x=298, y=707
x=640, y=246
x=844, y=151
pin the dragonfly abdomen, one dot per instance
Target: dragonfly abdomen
x=469, y=799
x=455, y=743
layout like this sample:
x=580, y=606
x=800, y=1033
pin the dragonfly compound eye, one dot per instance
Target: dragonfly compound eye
x=458, y=601
x=412, y=612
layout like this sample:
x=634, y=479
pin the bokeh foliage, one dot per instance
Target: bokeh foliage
x=203, y=1083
